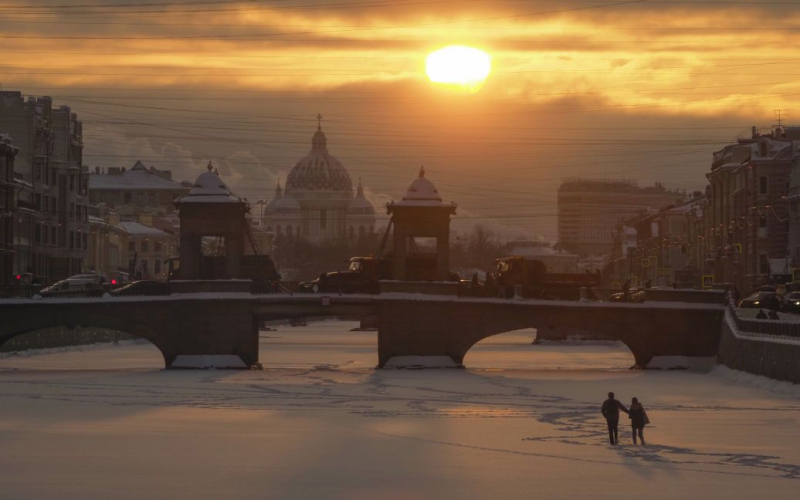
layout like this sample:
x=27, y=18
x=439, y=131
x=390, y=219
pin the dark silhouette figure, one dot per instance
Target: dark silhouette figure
x=626, y=291
x=761, y=314
x=610, y=410
x=638, y=419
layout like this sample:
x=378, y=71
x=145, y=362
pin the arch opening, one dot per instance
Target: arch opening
x=544, y=349
x=79, y=348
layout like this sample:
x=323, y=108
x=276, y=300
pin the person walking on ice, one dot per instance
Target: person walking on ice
x=638, y=419
x=610, y=410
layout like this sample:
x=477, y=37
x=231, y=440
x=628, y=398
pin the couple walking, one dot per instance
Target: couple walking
x=611, y=409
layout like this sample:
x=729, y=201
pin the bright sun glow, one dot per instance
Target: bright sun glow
x=459, y=66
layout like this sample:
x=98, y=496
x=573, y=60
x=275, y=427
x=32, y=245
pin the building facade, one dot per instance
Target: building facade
x=318, y=203
x=149, y=189
x=747, y=221
x=590, y=210
x=51, y=230
x=7, y=204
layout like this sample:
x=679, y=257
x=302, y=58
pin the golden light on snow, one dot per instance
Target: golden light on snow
x=459, y=66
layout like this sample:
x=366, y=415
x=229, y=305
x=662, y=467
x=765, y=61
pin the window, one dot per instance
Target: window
x=132, y=246
x=157, y=266
x=38, y=234
x=762, y=222
x=72, y=183
x=127, y=197
x=763, y=264
x=85, y=241
x=72, y=239
x=289, y=231
x=139, y=200
x=145, y=245
x=323, y=219
x=352, y=232
x=45, y=234
x=145, y=267
x=762, y=184
x=157, y=247
x=151, y=199
x=53, y=235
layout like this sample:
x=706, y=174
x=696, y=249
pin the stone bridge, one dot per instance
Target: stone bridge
x=188, y=328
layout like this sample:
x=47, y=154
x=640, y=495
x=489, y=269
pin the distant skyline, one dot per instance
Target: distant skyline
x=635, y=90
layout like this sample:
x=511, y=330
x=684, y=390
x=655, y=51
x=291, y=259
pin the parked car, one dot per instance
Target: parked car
x=79, y=285
x=763, y=300
x=792, y=301
x=144, y=287
x=636, y=296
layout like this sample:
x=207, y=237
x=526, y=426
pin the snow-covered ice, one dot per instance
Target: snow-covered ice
x=522, y=421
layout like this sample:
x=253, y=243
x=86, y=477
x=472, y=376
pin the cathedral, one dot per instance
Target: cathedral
x=317, y=203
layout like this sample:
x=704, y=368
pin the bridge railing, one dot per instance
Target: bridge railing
x=19, y=292
x=762, y=326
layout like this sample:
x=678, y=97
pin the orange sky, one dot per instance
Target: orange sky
x=641, y=90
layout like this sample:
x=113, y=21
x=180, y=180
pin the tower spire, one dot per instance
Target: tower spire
x=319, y=121
x=422, y=171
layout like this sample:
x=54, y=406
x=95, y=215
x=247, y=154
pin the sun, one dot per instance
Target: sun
x=459, y=66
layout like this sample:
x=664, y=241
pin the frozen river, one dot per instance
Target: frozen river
x=522, y=421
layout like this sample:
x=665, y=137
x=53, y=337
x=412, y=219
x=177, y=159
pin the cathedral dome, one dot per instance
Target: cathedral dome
x=360, y=205
x=319, y=170
x=287, y=206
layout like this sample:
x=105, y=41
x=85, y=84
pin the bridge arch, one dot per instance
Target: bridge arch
x=136, y=329
x=515, y=349
x=557, y=326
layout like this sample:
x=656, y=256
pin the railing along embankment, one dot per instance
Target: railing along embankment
x=761, y=347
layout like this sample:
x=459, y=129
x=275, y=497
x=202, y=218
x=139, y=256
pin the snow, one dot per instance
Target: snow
x=132, y=179
x=414, y=362
x=521, y=421
x=208, y=361
x=138, y=229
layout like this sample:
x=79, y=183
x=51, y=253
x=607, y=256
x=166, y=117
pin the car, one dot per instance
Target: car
x=792, y=301
x=144, y=287
x=79, y=285
x=636, y=296
x=763, y=300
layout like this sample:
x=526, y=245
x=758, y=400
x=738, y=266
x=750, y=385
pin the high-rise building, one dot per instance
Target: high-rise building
x=589, y=210
x=51, y=233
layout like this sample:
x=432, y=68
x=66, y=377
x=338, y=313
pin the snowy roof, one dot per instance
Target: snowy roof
x=421, y=193
x=138, y=229
x=136, y=178
x=209, y=188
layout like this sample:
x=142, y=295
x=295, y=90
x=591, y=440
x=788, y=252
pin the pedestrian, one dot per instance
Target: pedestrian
x=638, y=419
x=610, y=410
x=761, y=314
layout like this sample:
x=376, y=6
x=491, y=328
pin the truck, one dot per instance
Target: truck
x=533, y=279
